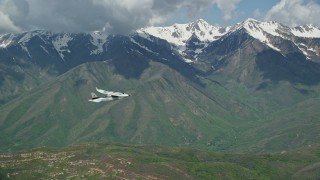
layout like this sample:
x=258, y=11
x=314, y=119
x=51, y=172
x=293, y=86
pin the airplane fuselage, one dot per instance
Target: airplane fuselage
x=109, y=96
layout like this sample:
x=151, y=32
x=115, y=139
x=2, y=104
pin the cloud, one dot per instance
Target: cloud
x=6, y=24
x=228, y=7
x=88, y=15
x=195, y=7
x=257, y=14
x=295, y=12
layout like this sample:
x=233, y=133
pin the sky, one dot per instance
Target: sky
x=125, y=16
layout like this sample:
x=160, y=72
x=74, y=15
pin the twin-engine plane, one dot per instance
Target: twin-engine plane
x=109, y=96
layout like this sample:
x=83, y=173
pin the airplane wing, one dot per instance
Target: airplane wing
x=95, y=100
x=112, y=93
x=104, y=91
x=101, y=99
x=119, y=94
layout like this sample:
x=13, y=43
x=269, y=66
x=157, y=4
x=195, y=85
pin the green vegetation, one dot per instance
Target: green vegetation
x=93, y=161
x=165, y=108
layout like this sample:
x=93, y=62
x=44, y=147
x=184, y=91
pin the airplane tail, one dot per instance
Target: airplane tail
x=93, y=96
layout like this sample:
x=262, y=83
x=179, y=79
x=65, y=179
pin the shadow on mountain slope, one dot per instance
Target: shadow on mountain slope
x=130, y=68
x=293, y=68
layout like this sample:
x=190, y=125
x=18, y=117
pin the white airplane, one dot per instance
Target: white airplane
x=110, y=95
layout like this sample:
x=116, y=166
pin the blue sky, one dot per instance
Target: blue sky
x=257, y=9
x=125, y=16
x=213, y=15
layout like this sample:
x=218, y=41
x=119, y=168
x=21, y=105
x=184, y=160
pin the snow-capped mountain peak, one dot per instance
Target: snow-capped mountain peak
x=199, y=25
x=258, y=29
x=266, y=32
x=201, y=34
x=255, y=28
x=189, y=42
x=178, y=34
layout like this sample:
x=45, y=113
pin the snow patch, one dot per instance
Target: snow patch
x=26, y=50
x=271, y=28
x=5, y=42
x=308, y=31
x=25, y=38
x=44, y=49
x=61, y=44
x=144, y=35
x=98, y=39
x=143, y=47
x=198, y=51
x=188, y=60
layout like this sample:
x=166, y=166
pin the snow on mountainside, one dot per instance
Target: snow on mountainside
x=178, y=34
x=263, y=30
x=268, y=33
x=187, y=41
x=98, y=39
x=61, y=44
x=308, y=31
x=59, y=41
x=260, y=30
x=6, y=40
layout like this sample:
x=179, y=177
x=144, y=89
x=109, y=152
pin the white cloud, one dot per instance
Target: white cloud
x=257, y=14
x=228, y=7
x=88, y=15
x=295, y=12
x=6, y=24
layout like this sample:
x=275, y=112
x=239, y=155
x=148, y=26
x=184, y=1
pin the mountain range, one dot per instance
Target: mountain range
x=253, y=86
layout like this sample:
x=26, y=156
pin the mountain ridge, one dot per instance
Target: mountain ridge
x=268, y=33
x=179, y=34
x=204, y=94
